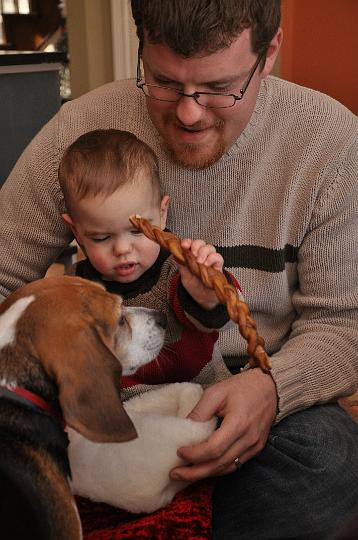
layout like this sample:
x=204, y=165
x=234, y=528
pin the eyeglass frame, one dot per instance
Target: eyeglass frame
x=195, y=95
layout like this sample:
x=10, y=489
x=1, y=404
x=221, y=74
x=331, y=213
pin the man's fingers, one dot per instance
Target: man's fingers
x=215, y=447
x=229, y=462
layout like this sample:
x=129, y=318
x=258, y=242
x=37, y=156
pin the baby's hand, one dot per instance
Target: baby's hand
x=205, y=254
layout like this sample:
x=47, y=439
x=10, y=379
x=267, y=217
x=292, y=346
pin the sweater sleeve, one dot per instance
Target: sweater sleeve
x=319, y=361
x=205, y=320
x=32, y=234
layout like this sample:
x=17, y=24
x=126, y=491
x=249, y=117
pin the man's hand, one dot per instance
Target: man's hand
x=207, y=255
x=247, y=404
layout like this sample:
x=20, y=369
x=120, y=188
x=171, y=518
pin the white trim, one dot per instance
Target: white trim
x=124, y=40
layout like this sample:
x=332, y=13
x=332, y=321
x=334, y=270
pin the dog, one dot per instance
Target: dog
x=64, y=343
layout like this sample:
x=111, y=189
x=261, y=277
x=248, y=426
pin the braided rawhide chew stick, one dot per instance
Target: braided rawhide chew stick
x=227, y=294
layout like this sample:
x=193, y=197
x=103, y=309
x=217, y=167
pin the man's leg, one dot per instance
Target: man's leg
x=302, y=485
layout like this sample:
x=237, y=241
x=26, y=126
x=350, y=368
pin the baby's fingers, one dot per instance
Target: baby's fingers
x=196, y=247
x=214, y=260
x=186, y=243
x=203, y=252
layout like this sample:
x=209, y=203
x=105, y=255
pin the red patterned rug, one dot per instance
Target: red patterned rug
x=187, y=517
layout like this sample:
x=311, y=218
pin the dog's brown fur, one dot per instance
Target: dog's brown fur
x=63, y=350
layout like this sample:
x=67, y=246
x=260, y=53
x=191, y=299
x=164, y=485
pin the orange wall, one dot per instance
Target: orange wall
x=320, y=47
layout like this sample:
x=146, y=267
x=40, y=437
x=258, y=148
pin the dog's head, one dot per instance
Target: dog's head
x=83, y=337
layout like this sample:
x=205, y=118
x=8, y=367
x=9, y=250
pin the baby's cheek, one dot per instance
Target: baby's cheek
x=98, y=260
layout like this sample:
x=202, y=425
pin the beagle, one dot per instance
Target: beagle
x=60, y=344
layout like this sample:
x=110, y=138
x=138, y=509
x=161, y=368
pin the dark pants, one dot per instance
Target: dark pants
x=303, y=485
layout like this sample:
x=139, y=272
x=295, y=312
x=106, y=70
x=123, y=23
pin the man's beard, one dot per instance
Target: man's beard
x=194, y=156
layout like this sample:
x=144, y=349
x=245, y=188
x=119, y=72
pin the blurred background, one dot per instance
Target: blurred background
x=52, y=51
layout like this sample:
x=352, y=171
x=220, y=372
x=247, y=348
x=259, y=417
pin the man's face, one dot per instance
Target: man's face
x=194, y=135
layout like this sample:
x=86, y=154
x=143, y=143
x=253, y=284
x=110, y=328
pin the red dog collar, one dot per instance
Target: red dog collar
x=28, y=398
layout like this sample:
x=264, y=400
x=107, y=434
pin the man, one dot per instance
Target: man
x=266, y=171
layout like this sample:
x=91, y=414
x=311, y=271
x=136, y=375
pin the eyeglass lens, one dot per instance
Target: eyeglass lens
x=163, y=93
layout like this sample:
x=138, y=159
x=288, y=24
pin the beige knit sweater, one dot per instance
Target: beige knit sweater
x=281, y=206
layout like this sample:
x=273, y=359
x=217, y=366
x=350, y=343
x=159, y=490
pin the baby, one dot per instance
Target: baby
x=106, y=176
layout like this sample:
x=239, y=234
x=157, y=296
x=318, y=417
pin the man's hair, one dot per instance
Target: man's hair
x=190, y=27
x=101, y=161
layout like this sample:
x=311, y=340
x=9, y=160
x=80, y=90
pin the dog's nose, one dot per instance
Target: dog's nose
x=161, y=319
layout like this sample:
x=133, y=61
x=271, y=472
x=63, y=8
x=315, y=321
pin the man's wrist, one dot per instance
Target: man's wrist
x=268, y=387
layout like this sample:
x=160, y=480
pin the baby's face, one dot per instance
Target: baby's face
x=114, y=247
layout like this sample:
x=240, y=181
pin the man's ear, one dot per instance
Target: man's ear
x=68, y=220
x=164, y=211
x=272, y=52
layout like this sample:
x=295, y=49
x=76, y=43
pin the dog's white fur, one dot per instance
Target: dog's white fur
x=9, y=319
x=135, y=475
x=144, y=341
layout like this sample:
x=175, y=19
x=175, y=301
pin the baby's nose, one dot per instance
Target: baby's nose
x=121, y=247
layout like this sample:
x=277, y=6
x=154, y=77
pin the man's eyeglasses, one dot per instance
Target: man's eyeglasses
x=211, y=100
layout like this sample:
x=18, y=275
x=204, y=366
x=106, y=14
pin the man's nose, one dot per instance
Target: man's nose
x=188, y=111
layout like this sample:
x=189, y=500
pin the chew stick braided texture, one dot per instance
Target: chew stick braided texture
x=227, y=294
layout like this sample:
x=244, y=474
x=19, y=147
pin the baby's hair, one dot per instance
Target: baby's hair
x=101, y=161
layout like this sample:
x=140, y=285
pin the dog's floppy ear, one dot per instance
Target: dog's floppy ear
x=88, y=377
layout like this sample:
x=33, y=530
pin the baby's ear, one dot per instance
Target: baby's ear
x=164, y=205
x=68, y=220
